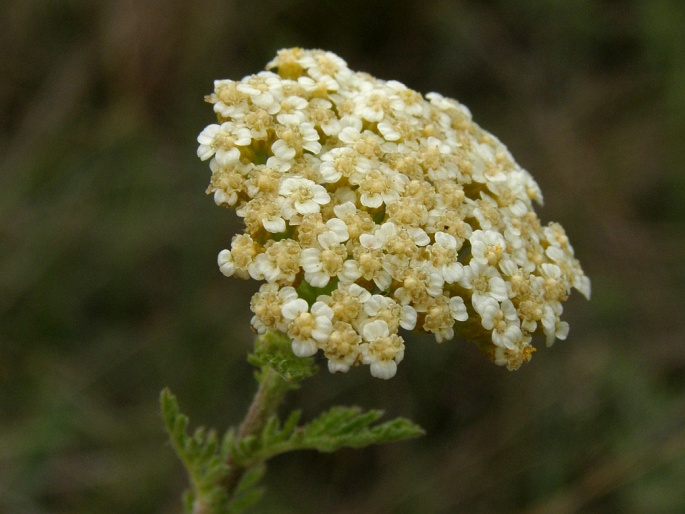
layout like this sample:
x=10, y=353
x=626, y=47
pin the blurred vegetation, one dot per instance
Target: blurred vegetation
x=109, y=290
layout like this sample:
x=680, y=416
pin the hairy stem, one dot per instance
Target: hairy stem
x=272, y=389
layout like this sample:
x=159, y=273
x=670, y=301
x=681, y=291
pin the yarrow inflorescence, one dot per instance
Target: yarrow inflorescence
x=369, y=208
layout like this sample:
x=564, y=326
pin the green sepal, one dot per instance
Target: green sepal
x=287, y=234
x=273, y=350
x=309, y=293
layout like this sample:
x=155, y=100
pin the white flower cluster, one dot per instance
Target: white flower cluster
x=368, y=208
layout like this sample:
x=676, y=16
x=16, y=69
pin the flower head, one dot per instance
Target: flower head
x=370, y=208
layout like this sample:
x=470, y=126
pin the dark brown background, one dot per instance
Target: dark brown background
x=109, y=289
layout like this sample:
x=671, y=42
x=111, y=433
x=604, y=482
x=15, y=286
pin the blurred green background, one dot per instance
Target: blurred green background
x=109, y=289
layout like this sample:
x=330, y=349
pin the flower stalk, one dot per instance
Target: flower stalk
x=225, y=472
x=272, y=389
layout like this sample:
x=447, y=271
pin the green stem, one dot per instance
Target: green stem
x=272, y=389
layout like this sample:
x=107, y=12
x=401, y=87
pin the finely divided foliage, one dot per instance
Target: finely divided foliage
x=368, y=207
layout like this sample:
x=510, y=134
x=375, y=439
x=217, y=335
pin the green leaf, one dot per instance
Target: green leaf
x=336, y=428
x=248, y=492
x=201, y=455
x=352, y=428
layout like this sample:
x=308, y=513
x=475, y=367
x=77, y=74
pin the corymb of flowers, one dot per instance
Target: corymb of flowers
x=369, y=207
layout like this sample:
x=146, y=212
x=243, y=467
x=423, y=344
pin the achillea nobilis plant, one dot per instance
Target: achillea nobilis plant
x=367, y=208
